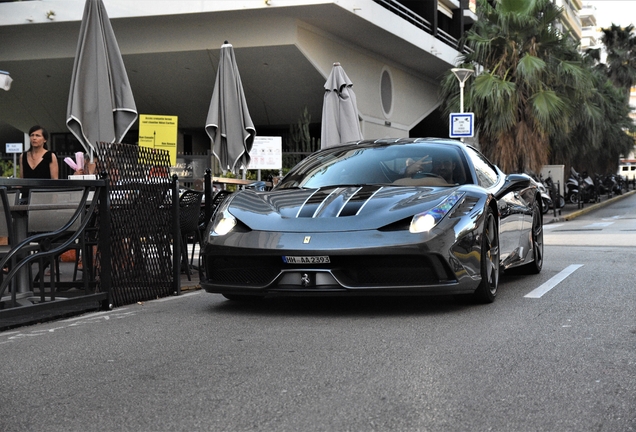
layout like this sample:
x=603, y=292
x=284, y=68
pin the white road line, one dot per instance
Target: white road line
x=538, y=292
x=551, y=226
x=599, y=225
x=91, y=315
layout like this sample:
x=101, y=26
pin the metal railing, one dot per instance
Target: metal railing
x=420, y=22
x=406, y=14
x=20, y=305
x=135, y=222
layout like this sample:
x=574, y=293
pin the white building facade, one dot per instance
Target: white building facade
x=394, y=52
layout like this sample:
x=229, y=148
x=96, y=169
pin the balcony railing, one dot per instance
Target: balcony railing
x=420, y=22
x=407, y=14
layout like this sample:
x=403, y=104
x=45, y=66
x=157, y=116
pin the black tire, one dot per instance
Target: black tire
x=574, y=199
x=561, y=201
x=545, y=206
x=536, y=265
x=487, y=290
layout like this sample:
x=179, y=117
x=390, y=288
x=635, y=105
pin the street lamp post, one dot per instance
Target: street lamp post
x=462, y=75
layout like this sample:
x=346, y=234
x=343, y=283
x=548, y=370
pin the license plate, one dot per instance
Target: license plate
x=306, y=259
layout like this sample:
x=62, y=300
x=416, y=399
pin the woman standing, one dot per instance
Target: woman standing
x=38, y=162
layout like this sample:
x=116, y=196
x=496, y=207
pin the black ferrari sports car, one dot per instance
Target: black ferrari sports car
x=382, y=217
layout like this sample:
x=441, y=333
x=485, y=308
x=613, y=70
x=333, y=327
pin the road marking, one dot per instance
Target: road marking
x=165, y=299
x=554, y=281
x=92, y=315
x=90, y=318
x=551, y=226
x=599, y=225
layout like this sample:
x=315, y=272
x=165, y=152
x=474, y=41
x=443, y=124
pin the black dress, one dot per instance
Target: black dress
x=41, y=171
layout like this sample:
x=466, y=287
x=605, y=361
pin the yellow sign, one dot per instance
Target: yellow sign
x=159, y=132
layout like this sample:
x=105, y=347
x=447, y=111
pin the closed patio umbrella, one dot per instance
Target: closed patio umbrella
x=101, y=107
x=340, y=118
x=229, y=124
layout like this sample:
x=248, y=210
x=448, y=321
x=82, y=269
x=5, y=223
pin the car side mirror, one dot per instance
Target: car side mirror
x=515, y=182
x=259, y=186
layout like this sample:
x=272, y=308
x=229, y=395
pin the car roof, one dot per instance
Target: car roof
x=390, y=141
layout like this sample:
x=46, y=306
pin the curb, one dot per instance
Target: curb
x=590, y=207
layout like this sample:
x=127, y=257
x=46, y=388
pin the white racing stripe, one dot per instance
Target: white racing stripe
x=554, y=281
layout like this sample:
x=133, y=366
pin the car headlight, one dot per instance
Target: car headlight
x=425, y=221
x=223, y=224
x=223, y=221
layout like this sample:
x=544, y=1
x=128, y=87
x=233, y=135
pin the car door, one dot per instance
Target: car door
x=511, y=204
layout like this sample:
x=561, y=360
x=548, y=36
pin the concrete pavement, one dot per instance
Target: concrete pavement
x=571, y=211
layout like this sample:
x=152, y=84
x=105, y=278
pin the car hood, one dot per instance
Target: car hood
x=345, y=208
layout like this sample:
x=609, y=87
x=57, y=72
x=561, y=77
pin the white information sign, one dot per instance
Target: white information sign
x=14, y=147
x=462, y=125
x=267, y=153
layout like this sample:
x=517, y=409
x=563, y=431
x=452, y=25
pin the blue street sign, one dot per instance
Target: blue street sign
x=462, y=125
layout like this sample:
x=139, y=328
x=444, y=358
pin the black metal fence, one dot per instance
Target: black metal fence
x=143, y=222
x=129, y=249
x=22, y=300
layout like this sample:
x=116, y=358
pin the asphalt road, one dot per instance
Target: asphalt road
x=555, y=352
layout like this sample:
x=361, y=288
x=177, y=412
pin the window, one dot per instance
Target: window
x=386, y=92
x=486, y=173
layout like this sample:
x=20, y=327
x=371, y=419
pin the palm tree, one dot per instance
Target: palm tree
x=533, y=87
x=613, y=80
x=620, y=44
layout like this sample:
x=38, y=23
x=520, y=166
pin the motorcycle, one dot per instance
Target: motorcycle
x=554, y=192
x=615, y=184
x=589, y=192
x=572, y=187
x=580, y=186
x=546, y=199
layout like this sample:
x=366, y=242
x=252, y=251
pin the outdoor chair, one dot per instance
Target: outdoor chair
x=6, y=228
x=189, y=211
x=52, y=220
x=13, y=196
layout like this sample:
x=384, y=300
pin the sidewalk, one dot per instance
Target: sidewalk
x=571, y=211
x=189, y=285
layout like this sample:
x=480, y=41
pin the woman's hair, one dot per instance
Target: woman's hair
x=45, y=134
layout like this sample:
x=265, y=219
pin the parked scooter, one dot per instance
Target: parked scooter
x=580, y=186
x=572, y=187
x=546, y=198
x=555, y=196
x=615, y=184
x=589, y=193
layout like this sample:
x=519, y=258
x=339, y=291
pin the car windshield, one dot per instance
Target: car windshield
x=414, y=164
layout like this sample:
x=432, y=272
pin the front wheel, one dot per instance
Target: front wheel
x=536, y=241
x=487, y=290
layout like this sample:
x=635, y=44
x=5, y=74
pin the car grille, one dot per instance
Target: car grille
x=243, y=271
x=391, y=270
x=352, y=271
